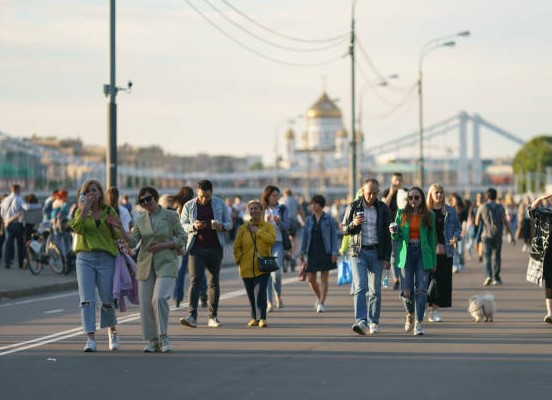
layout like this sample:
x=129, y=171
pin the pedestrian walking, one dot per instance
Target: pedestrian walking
x=416, y=256
x=320, y=246
x=252, y=240
x=448, y=236
x=95, y=226
x=366, y=221
x=10, y=210
x=277, y=215
x=161, y=235
x=493, y=219
x=204, y=219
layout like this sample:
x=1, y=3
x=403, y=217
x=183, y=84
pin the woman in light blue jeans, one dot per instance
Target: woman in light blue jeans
x=278, y=216
x=97, y=226
x=95, y=269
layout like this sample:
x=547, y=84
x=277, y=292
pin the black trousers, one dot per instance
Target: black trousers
x=439, y=291
x=203, y=260
x=256, y=293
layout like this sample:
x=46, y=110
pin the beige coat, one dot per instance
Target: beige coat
x=167, y=227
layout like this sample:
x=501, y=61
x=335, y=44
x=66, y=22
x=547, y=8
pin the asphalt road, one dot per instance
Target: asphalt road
x=301, y=355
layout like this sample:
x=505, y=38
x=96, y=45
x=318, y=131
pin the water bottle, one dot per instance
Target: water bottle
x=385, y=279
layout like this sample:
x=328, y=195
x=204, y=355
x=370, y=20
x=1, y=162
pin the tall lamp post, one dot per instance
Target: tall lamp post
x=353, y=149
x=110, y=91
x=424, y=51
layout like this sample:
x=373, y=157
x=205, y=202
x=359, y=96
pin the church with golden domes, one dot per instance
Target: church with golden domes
x=324, y=142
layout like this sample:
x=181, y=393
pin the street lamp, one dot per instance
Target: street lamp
x=353, y=150
x=424, y=51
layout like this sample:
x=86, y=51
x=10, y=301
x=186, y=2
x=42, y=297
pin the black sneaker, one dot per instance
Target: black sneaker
x=204, y=302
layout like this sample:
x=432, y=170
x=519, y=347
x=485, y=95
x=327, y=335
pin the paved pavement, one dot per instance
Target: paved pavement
x=302, y=353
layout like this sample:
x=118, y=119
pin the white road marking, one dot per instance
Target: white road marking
x=38, y=299
x=59, y=310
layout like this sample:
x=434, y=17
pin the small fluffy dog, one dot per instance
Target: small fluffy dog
x=482, y=307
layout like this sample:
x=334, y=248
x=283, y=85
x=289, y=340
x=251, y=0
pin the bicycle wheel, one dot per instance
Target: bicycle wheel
x=55, y=259
x=33, y=262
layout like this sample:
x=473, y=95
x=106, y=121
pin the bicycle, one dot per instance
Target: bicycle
x=42, y=250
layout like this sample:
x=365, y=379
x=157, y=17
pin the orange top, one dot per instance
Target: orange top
x=415, y=227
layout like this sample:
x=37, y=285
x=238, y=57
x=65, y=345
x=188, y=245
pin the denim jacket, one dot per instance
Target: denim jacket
x=328, y=227
x=189, y=216
x=452, y=229
x=383, y=221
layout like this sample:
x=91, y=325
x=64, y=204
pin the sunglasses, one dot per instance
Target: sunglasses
x=415, y=197
x=146, y=199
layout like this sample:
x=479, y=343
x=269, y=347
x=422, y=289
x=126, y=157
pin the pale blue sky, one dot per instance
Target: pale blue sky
x=196, y=91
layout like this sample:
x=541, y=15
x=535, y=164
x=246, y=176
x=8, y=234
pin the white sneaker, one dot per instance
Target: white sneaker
x=418, y=330
x=113, y=341
x=360, y=328
x=214, y=322
x=316, y=305
x=320, y=308
x=435, y=316
x=90, y=346
x=152, y=346
x=269, y=307
x=409, y=323
x=165, y=344
x=374, y=328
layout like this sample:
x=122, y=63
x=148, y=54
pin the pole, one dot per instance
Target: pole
x=421, y=127
x=353, y=154
x=111, y=148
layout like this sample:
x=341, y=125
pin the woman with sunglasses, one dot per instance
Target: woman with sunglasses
x=160, y=233
x=448, y=232
x=253, y=239
x=415, y=236
x=96, y=226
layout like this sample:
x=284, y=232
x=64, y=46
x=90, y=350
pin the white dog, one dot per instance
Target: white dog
x=482, y=307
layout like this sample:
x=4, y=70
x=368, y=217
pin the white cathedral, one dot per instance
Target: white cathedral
x=324, y=144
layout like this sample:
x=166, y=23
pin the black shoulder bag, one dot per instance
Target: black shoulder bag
x=266, y=263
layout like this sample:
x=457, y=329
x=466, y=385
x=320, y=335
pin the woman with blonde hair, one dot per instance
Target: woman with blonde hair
x=253, y=239
x=95, y=225
x=415, y=235
x=448, y=233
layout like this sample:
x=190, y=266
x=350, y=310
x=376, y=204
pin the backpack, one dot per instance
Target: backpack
x=493, y=222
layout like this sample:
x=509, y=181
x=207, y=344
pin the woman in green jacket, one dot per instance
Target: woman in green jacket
x=260, y=235
x=415, y=233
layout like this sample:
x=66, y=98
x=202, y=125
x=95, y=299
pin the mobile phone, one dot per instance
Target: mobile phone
x=82, y=198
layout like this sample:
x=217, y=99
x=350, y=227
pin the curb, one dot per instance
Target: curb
x=57, y=287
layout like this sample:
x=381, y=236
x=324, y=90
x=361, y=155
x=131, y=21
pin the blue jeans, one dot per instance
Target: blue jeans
x=489, y=246
x=95, y=269
x=367, y=271
x=414, y=278
x=394, y=250
x=178, y=293
x=275, y=280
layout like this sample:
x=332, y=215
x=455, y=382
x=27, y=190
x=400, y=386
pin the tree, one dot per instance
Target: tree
x=533, y=158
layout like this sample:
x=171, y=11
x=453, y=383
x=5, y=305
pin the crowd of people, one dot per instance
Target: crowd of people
x=421, y=238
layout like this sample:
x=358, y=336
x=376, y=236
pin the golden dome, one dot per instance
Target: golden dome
x=324, y=108
x=290, y=135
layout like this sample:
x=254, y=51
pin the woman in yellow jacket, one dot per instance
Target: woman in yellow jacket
x=260, y=234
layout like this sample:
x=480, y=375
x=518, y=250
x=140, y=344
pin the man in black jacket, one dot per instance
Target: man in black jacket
x=367, y=222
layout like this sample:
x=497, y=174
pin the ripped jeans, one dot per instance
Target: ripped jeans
x=95, y=270
x=414, y=278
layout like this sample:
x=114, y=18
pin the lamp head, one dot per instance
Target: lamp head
x=463, y=33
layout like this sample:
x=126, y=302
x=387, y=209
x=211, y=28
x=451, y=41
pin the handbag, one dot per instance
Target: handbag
x=265, y=263
x=535, y=266
x=286, y=241
x=534, y=271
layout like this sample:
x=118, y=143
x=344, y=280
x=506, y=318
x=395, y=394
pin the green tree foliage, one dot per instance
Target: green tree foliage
x=533, y=157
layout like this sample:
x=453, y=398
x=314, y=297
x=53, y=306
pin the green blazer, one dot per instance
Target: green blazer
x=167, y=227
x=428, y=241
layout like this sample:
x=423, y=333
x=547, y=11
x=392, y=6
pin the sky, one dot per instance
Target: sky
x=195, y=90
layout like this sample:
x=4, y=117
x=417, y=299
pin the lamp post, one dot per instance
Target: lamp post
x=424, y=51
x=353, y=150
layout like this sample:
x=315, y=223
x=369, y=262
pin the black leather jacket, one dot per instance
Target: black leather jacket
x=383, y=221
